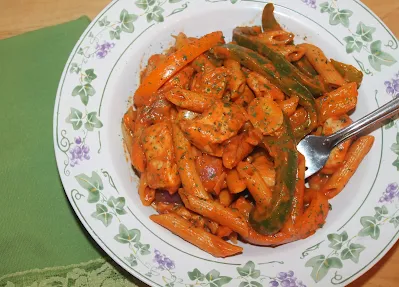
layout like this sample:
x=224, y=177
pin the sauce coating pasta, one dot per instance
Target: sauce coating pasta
x=213, y=132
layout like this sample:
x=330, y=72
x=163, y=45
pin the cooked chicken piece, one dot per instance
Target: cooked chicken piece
x=161, y=165
x=215, y=125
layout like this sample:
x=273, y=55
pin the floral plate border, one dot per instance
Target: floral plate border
x=77, y=138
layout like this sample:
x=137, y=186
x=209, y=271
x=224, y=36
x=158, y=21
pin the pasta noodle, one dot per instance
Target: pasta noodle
x=186, y=165
x=338, y=154
x=263, y=88
x=291, y=52
x=256, y=185
x=289, y=106
x=237, y=81
x=322, y=65
x=306, y=67
x=213, y=132
x=200, y=238
x=147, y=194
x=278, y=37
x=216, y=212
x=353, y=158
x=234, y=183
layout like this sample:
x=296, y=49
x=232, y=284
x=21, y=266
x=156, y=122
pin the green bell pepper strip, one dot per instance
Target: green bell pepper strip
x=255, y=62
x=305, y=67
x=284, y=67
x=348, y=72
x=281, y=147
x=283, y=150
x=269, y=22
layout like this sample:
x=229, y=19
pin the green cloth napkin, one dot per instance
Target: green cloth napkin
x=41, y=240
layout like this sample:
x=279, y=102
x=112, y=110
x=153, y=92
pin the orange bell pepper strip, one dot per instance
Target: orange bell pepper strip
x=173, y=64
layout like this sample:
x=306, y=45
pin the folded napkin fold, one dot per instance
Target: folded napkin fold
x=41, y=239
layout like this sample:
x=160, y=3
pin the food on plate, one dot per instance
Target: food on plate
x=213, y=132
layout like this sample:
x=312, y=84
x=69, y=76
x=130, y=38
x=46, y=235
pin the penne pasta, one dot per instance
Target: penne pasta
x=337, y=107
x=234, y=183
x=299, y=188
x=291, y=52
x=189, y=100
x=245, y=98
x=265, y=169
x=213, y=130
x=348, y=90
x=210, y=170
x=182, y=40
x=348, y=72
x=314, y=216
x=277, y=37
x=309, y=195
x=298, y=118
x=289, y=106
x=337, y=102
x=181, y=80
x=260, y=191
x=196, y=236
x=220, y=184
x=263, y=88
x=355, y=155
x=317, y=181
x=216, y=212
x=225, y=198
x=212, y=82
x=236, y=150
x=202, y=64
x=237, y=81
x=224, y=231
x=305, y=67
x=186, y=165
x=338, y=154
x=323, y=66
x=146, y=194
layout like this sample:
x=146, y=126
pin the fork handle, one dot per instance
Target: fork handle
x=359, y=126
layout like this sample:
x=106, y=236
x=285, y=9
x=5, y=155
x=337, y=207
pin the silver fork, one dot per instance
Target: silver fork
x=316, y=149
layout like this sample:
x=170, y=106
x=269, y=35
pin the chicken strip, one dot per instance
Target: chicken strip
x=161, y=170
x=215, y=125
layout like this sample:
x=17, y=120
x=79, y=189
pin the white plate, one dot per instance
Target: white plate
x=94, y=92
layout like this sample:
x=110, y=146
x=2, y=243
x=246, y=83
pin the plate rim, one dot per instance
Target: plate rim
x=82, y=219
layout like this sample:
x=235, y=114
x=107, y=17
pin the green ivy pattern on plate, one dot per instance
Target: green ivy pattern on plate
x=344, y=248
x=392, y=89
x=360, y=40
x=106, y=211
x=82, y=120
x=108, y=208
x=249, y=276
